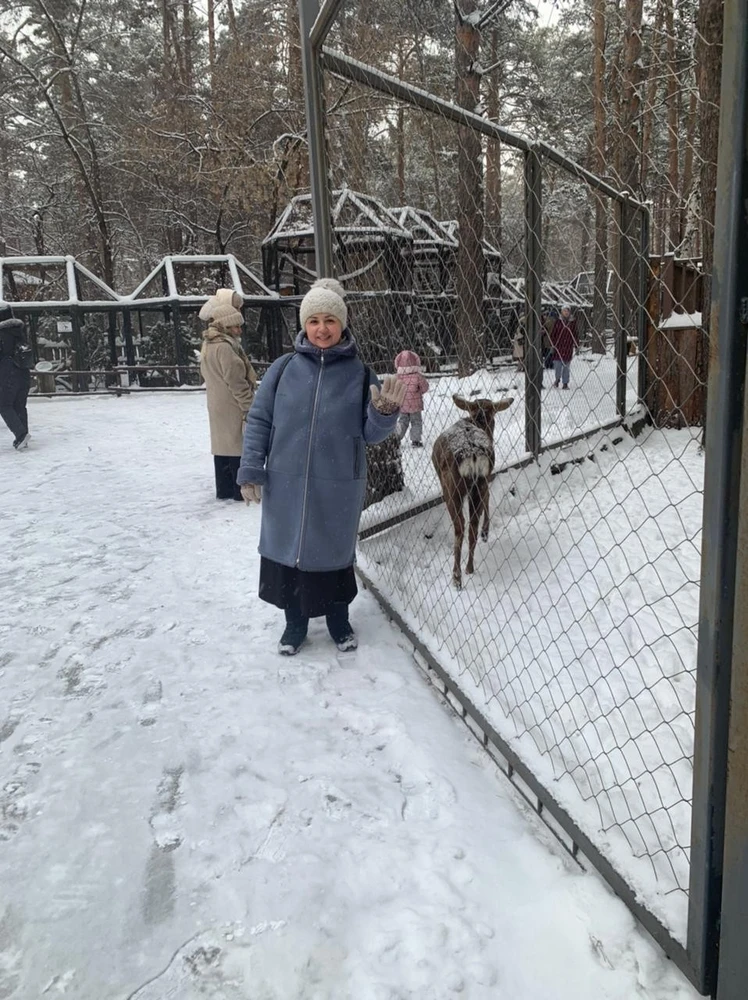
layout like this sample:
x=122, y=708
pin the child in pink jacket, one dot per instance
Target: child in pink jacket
x=409, y=371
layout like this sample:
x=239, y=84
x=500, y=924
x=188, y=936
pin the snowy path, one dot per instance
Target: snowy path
x=184, y=815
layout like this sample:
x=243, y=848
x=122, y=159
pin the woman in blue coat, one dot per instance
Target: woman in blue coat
x=304, y=456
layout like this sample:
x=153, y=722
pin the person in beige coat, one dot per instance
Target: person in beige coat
x=230, y=382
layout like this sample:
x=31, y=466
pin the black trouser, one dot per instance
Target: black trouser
x=336, y=618
x=227, y=467
x=14, y=391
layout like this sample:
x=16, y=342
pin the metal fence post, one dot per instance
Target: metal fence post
x=127, y=337
x=315, y=130
x=533, y=300
x=722, y=493
x=643, y=297
x=622, y=300
x=730, y=289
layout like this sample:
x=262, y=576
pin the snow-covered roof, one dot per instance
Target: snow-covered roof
x=165, y=279
x=451, y=228
x=553, y=293
x=353, y=214
x=78, y=285
x=423, y=226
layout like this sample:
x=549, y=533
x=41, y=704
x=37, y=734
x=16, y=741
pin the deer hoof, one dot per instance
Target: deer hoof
x=457, y=582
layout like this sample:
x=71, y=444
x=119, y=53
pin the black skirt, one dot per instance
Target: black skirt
x=311, y=594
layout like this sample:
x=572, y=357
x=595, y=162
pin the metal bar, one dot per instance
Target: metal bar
x=722, y=494
x=620, y=307
x=583, y=174
x=127, y=336
x=321, y=27
x=80, y=382
x=533, y=300
x=352, y=69
x=672, y=948
x=644, y=244
x=730, y=289
x=315, y=116
x=176, y=320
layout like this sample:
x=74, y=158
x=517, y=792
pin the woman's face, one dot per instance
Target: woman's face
x=323, y=330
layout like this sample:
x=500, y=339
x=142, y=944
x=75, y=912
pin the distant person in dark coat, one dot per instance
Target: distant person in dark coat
x=304, y=456
x=564, y=341
x=15, y=377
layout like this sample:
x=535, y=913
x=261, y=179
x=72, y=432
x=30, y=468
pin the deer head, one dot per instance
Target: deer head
x=482, y=411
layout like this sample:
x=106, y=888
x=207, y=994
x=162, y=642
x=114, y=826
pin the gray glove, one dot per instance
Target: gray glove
x=390, y=397
x=251, y=493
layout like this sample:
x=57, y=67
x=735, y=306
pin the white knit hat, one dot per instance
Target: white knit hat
x=222, y=296
x=325, y=296
x=224, y=316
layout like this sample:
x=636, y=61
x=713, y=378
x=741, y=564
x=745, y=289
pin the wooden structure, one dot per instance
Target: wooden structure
x=675, y=344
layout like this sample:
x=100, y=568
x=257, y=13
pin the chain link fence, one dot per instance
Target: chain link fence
x=519, y=276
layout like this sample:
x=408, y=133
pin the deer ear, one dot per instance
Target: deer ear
x=503, y=404
x=460, y=403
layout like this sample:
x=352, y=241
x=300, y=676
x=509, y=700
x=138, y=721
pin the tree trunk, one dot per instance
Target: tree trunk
x=630, y=163
x=600, y=285
x=688, y=156
x=187, y=43
x=232, y=20
x=493, y=152
x=297, y=153
x=470, y=276
x=708, y=52
x=673, y=125
x=400, y=131
x=631, y=97
x=653, y=85
x=212, y=42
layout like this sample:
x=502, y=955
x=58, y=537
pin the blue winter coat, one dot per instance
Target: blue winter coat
x=304, y=444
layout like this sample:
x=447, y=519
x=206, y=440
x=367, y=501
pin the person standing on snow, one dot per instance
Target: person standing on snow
x=304, y=456
x=15, y=377
x=230, y=383
x=410, y=372
x=564, y=341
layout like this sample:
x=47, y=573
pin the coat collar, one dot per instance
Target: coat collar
x=347, y=347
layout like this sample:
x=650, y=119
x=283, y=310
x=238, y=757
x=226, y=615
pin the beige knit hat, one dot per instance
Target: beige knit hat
x=325, y=296
x=224, y=316
x=222, y=296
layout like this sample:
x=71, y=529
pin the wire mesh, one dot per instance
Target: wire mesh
x=576, y=632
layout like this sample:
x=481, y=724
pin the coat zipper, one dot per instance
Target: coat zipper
x=309, y=457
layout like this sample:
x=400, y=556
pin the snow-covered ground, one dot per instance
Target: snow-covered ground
x=577, y=634
x=184, y=815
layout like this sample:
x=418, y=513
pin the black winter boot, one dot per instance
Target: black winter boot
x=340, y=628
x=294, y=633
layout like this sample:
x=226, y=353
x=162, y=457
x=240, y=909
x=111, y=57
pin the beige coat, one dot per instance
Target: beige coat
x=230, y=382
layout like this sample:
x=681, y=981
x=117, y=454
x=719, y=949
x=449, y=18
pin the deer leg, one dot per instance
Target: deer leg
x=474, y=509
x=458, y=523
x=484, y=495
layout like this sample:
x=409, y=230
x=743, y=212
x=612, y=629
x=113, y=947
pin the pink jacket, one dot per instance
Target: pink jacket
x=408, y=368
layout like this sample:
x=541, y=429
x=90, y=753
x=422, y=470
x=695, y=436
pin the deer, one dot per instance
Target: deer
x=463, y=456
